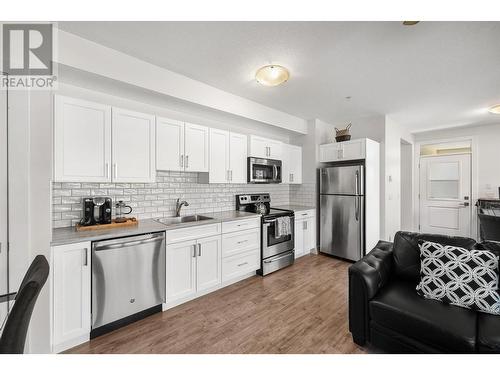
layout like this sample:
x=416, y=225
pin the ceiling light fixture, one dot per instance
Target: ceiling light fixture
x=272, y=75
x=495, y=109
x=410, y=23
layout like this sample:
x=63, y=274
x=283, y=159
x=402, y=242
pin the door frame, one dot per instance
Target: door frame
x=474, y=179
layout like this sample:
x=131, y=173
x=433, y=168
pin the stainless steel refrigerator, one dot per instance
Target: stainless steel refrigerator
x=342, y=203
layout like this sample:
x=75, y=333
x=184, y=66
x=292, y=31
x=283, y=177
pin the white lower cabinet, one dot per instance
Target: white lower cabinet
x=208, y=263
x=181, y=270
x=71, y=293
x=240, y=252
x=305, y=232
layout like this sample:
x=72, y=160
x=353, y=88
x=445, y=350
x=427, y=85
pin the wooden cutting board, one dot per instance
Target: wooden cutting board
x=131, y=222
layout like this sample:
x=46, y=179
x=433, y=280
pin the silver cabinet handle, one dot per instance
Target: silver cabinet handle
x=199, y=249
x=240, y=242
x=107, y=169
x=115, y=170
x=242, y=264
x=194, y=251
x=231, y=174
x=85, y=260
x=181, y=161
x=187, y=161
x=304, y=225
x=465, y=204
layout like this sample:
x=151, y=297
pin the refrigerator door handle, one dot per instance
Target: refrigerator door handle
x=357, y=183
x=356, y=208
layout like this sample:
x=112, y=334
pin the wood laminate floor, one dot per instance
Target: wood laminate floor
x=300, y=309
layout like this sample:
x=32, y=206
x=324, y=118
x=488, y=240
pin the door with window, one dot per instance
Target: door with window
x=445, y=195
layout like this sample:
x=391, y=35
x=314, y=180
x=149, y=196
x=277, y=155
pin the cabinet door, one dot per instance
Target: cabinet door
x=133, y=146
x=71, y=294
x=208, y=259
x=238, y=158
x=330, y=152
x=82, y=140
x=196, y=148
x=275, y=149
x=309, y=234
x=299, y=238
x=219, y=156
x=286, y=168
x=169, y=144
x=181, y=270
x=295, y=161
x=353, y=150
x=259, y=147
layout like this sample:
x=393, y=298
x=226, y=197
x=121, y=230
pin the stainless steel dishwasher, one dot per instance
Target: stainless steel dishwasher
x=128, y=280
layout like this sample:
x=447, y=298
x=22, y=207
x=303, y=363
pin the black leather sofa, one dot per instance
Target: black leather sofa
x=386, y=312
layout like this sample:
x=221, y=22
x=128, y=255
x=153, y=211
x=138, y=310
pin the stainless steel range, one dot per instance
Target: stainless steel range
x=277, y=231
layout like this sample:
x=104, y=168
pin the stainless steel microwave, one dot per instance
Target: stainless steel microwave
x=264, y=171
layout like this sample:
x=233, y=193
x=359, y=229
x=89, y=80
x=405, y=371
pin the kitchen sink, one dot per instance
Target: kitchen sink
x=183, y=219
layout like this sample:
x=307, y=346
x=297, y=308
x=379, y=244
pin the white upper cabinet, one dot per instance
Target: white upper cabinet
x=219, y=156
x=133, y=145
x=265, y=148
x=196, y=148
x=238, y=153
x=82, y=144
x=292, y=164
x=349, y=150
x=169, y=144
x=228, y=157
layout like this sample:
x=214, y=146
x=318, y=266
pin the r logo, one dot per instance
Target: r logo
x=27, y=49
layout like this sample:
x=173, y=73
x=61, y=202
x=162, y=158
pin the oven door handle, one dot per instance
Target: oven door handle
x=276, y=259
x=275, y=172
x=268, y=222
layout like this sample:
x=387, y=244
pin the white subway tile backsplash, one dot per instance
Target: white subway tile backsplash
x=153, y=200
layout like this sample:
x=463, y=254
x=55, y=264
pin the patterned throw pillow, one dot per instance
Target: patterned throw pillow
x=461, y=277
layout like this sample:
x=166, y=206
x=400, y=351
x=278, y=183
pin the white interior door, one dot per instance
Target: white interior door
x=133, y=150
x=196, y=148
x=219, y=156
x=238, y=152
x=445, y=195
x=3, y=203
x=169, y=144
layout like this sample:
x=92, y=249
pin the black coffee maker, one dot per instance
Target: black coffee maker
x=96, y=210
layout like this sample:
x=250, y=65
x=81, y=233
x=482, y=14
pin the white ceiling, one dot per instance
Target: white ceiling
x=434, y=74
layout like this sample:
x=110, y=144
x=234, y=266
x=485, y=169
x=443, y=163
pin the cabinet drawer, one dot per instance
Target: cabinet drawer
x=233, y=226
x=239, y=242
x=190, y=233
x=304, y=214
x=240, y=264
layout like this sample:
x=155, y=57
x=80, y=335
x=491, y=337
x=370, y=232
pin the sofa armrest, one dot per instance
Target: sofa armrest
x=366, y=277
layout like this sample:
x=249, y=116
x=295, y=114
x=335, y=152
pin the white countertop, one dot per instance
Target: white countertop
x=62, y=236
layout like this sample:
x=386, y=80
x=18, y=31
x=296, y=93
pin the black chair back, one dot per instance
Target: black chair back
x=16, y=327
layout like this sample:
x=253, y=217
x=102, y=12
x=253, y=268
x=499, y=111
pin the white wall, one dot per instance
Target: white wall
x=486, y=143
x=394, y=133
x=407, y=195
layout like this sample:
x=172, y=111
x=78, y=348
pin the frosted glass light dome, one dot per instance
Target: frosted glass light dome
x=272, y=75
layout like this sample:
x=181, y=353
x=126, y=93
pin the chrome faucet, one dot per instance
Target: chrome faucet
x=178, y=206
